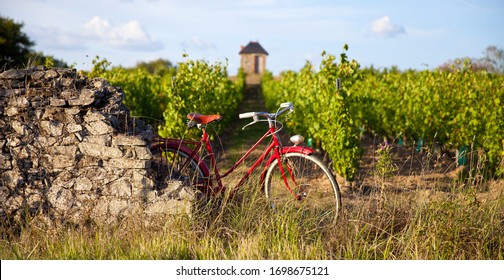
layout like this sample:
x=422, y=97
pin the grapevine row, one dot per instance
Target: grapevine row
x=323, y=111
x=454, y=109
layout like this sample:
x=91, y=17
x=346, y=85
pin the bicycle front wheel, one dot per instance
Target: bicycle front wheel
x=175, y=165
x=310, y=180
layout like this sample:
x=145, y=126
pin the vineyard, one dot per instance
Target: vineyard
x=440, y=111
x=457, y=113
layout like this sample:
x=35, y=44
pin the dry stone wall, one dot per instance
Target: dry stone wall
x=71, y=153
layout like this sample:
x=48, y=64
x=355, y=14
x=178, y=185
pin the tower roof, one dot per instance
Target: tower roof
x=253, y=47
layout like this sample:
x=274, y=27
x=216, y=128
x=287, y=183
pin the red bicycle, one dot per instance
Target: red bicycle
x=290, y=175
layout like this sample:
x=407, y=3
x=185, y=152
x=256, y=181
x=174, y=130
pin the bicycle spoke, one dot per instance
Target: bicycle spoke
x=316, y=189
x=175, y=166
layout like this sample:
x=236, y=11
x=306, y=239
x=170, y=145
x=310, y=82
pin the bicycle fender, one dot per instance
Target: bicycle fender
x=296, y=149
x=291, y=149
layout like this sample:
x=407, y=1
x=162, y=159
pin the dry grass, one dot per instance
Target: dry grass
x=420, y=224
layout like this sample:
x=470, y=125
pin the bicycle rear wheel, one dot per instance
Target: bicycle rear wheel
x=315, y=185
x=174, y=165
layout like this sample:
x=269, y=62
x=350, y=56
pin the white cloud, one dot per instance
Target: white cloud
x=198, y=43
x=49, y=37
x=384, y=27
x=128, y=36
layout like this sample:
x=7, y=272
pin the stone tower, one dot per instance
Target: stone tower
x=253, y=58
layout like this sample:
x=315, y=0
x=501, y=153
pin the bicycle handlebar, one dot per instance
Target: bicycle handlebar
x=286, y=106
x=247, y=115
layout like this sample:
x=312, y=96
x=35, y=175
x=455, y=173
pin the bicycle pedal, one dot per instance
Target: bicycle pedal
x=303, y=192
x=301, y=195
x=273, y=207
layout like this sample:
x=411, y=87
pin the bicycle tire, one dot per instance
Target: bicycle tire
x=167, y=162
x=316, y=186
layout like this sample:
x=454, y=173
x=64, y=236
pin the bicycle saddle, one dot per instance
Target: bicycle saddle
x=203, y=119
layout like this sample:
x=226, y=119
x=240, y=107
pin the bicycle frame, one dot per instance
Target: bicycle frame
x=207, y=185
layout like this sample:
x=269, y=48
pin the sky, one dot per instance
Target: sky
x=418, y=35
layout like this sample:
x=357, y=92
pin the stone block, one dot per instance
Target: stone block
x=143, y=152
x=93, y=116
x=51, y=74
x=119, y=188
x=72, y=111
x=72, y=127
x=13, y=74
x=24, y=152
x=57, y=102
x=100, y=83
x=64, y=179
x=14, y=203
x=21, y=102
x=83, y=184
x=140, y=181
x=85, y=98
x=53, y=128
x=100, y=211
x=98, y=174
x=79, y=135
x=67, y=82
x=6, y=93
x=117, y=206
x=60, y=198
x=127, y=140
x=96, y=150
x=127, y=163
x=50, y=113
x=69, y=140
x=34, y=200
x=69, y=151
x=45, y=141
x=99, y=128
x=12, y=111
x=168, y=207
x=87, y=161
x=13, y=141
x=59, y=161
x=103, y=140
x=5, y=161
x=19, y=127
x=80, y=101
x=14, y=178
x=38, y=75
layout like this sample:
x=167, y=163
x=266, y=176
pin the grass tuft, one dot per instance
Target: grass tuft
x=417, y=225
